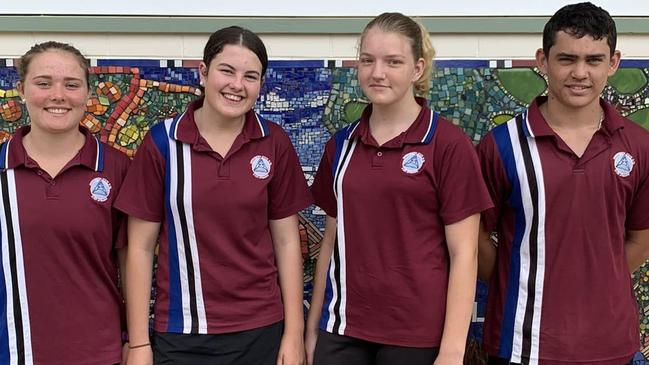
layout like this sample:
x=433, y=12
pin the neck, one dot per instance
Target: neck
x=208, y=122
x=558, y=115
x=398, y=116
x=41, y=145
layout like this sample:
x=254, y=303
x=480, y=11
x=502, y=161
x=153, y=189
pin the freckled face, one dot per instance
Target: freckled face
x=55, y=90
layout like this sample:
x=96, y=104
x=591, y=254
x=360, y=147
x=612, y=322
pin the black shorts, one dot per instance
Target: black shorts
x=258, y=346
x=332, y=349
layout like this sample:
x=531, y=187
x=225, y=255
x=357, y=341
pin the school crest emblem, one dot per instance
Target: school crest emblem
x=100, y=189
x=623, y=163
x=412, y=162
x=260, y=166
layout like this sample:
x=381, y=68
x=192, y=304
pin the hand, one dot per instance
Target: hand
x=124, y=354
x=291, y=350
x=310, y=340
x=446, y=358
x=140, y=356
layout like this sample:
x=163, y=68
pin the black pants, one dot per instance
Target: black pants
x=258, y=346
x=332, y=349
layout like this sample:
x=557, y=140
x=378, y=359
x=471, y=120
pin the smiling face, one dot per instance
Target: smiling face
x=55, y=91
x=577, y=69
x=387, y=69
x=232, y=82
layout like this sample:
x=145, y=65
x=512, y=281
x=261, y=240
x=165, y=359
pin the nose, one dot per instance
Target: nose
x=57, y=92
x=236, y=82
x=378, y=71
x=580, y=71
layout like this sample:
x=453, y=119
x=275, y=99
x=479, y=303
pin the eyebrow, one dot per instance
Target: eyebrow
x=48, y=77
x=591, y=56
x=234, y=68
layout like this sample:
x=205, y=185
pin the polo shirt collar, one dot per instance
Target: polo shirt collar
x=13, y=154
x=535, y=124
x=184, y=128
x=421, y=131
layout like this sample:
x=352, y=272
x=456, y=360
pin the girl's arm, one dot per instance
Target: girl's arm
x=462, y=241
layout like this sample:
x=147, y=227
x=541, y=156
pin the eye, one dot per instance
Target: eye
x=226, y=71
x=42, y=84
x=395, y=62
x=365, y=61
x=251, y=77
x=73, y=85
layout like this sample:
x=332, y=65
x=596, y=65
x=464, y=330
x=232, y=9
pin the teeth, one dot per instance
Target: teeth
x=56, y=110
x=232, y=97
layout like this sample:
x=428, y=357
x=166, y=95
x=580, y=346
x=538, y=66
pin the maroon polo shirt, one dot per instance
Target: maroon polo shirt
x=388, y=274
x=561, y=290
x=59, y=289
x=216, y=265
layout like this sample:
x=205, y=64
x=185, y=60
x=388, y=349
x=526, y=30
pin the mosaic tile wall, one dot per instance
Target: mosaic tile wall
x=311, y=100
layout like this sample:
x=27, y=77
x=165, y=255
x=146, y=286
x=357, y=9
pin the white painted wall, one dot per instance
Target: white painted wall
x=184, y=46
x=310, y=8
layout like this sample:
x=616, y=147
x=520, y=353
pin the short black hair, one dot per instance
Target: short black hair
x=580, y=20
x=236, y=36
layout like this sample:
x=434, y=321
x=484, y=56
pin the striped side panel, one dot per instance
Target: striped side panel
x=520, y=328
x=186, y=307
x=16, y=326
x=334, y=309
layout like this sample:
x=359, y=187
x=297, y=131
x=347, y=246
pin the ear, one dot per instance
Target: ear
x=614, y=63
x=21, y=89
x=541, y=61
x=420, y=66
x=202, y=72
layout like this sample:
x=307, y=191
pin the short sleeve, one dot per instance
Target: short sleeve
x=495, y=180
x=638, y=214
x=462, y=191
x=288, y=191
x=142, y=192
x=322, y=187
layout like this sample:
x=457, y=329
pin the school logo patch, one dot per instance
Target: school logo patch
x=412, y=162
x=623, y=163
x=260, y=166
x=100, y=189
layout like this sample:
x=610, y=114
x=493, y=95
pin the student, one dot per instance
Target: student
x=60, y=234
x=569, y=178
x=222, y=187
x=402, y=190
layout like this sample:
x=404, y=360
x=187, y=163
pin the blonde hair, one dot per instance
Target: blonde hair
x=419, y=42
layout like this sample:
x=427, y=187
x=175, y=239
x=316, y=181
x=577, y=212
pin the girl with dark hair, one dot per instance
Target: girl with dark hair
x=221, y=187
x=402, y=190
x=61, y=238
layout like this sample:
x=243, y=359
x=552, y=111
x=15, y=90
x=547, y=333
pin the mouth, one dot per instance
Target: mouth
x=232, y=97
x=578, y=87
x=57, y=111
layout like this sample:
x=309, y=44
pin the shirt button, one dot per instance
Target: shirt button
x=52, y=182
x=379, y=153
x=39, y=172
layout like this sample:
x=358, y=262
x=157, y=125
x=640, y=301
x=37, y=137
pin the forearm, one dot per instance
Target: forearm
x=459, y=303
x=289, y=262
x=139, y=268
x=288, y=255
